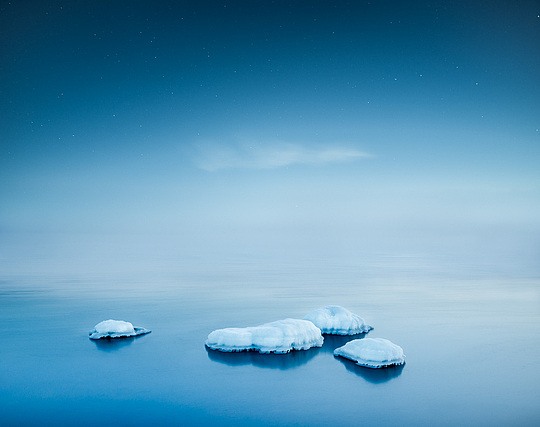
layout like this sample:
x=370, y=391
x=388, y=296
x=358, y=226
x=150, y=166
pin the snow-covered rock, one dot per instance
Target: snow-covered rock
x=334, y=319
x=372, y=352
x=116, y=329
x=280, y=336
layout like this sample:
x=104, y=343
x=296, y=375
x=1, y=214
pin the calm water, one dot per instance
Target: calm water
x=470, y=337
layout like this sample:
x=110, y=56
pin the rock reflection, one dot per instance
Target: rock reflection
x=374, y=376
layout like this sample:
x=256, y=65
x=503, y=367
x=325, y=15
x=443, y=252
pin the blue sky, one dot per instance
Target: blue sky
x=258, y=122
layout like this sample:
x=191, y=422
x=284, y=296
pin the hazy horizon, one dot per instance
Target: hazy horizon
x=304, y=129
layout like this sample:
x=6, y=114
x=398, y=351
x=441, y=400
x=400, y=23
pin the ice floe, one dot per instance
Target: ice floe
x=372, y=352
x=280, y=336
x=116, y=329
x=334, y=319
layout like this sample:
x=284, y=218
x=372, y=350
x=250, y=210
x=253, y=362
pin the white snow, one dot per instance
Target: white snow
x=280, y=336
x=334, y=319
x=115, y=329
x=372, y=352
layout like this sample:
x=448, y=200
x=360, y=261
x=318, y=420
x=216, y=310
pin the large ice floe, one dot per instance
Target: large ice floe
x=336, y=320
x=116, y=329
x=372, y=352
x=280, y=336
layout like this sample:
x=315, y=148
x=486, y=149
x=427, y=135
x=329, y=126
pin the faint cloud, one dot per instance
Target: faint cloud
x=213, y=157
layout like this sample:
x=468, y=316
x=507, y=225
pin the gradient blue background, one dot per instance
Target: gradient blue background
x=136, y=117
x=194, y=165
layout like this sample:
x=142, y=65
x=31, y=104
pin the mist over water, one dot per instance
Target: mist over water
x=448, y=273
x=459, y=292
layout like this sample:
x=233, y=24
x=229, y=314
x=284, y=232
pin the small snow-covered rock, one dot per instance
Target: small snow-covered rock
x=280, y=336
x=115, y=329
x=336, y=320
x=372, y=352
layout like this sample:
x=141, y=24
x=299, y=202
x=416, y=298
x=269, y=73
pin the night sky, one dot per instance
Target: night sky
x=300, y=124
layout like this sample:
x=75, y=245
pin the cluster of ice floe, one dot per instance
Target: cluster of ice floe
x=280, y=336
x=336, y=320
x=116, y=329
x=283, y=336
x=372, y=352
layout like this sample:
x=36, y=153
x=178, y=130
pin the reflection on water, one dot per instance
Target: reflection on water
x=285, y=361
x=110, y=345
x=374, y=376
x=331, y=342
x=298, y=358
x=290, y=360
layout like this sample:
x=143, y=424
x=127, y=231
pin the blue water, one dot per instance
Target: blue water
x=470, y=337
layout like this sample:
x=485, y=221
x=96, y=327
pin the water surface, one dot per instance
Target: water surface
x=471, y=341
